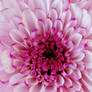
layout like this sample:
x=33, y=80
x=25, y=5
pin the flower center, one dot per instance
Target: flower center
x=46, y=58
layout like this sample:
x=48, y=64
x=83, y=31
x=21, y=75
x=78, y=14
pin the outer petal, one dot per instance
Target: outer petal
x=51, y=89
x=15, y=78
x=6, y=62
x=78, y=13
x=40, y=15
x=11, y=4
x=30, y=21
x=6, y=88
x=86, y=19
x=58, y=5
x=68, y=83
x=34, y=4
x=88, y=59
x=76, y=38
x=4, y=76
x=37, y=88
x=21, y=88
x=31, y=81
x=16, y=35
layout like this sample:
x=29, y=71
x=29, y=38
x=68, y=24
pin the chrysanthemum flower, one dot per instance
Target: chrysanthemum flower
x=45, y=46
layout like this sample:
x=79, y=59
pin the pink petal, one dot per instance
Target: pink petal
x=60, y=81
x=5, y=29
x=21, y=88
x=4, y=76
x=76, y=85
x=47, y=4
x=60, y=90
x=77, y=56
x=22, y=5
x=5, y=40
x=58, y=5
x=6, y=88
x=48, y=25
x=53, y=14
x=16, y=35
x=15, y=78
x=58, y=25
x=86, y=19
x=6, y=62
x=68, y=83
x=78, y=74
x=30, y=21
x=87, y=78
x=40, y=14
x=78, y=13
x=37, y=88
x=31, y=4
x=40, y=5
x=89, y=34
x=31, y=81
x=88, y=59
x=34, y=4
x=67, y=17
x=50, y=89
x=88, y=45
x=86, y=86
x=12, y=5
x=74, y=1
x=76, y=38
x=71, y=90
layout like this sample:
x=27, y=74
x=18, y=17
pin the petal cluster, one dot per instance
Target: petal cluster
x=46, y=45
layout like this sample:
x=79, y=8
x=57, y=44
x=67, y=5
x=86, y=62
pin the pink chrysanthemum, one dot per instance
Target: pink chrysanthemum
x=45, y=45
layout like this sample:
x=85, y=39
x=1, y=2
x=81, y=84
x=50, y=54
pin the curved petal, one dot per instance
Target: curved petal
x=53, y=14
x=6, y=88
x=86, y=86
x=86, y=19
x=76, y=38
x=58, y=25
x=15, y=78
x=48, y=25
x=37, y=88
x=6, y=62
x=4, y=76
x=74, y=1
x=60, y=81
x=40, y=14
x=60, y=90
x=11, y=4
x=78, y=74
x=51, y=89
x=76, y=85
x=34, y=4
x=47, y=4
x=88, y=59
x=21, y=88
x=16, y=35
x=58, y=5
x=30, y=21
x=87, y=78
x=31, y=81
x=78, y=56
x=78, y=13
x=68, y=83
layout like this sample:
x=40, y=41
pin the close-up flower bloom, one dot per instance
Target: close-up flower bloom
x=45, y=46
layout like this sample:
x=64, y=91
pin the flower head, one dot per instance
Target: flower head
x=46, y=45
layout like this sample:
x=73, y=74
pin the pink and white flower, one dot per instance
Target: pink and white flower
x=45, y=46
